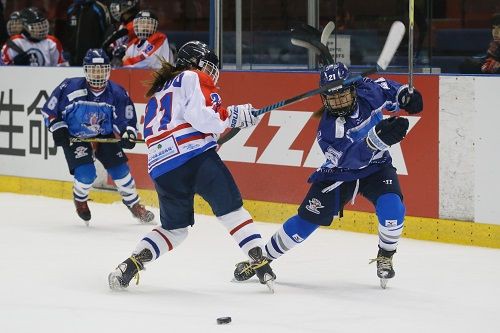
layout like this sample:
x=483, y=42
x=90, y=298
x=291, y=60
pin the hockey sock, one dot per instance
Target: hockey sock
x=294, y=231
x=125, y=184
x=240, y=225
x=159, y=241
x=84, y=177
x=391, y=213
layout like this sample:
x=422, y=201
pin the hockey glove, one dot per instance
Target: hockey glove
x=412, y=103
x=128, y=138
x=240, y=116
x=22, y=59
x=60, y=133
x=388, y=132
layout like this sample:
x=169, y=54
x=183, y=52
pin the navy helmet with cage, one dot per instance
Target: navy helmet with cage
x=14, y=24
x=198, y=55
x=119, y=7
x=145, y=24
x=35, y=25
x=338, y=102
x=97, y=68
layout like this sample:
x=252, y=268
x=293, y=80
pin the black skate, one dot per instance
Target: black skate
x=127, y=270
x=258, y=266
x=82, y=209
x=142, y=214
x=385, y=271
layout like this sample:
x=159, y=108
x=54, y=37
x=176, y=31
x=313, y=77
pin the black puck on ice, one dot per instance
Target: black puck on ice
x=223, y=320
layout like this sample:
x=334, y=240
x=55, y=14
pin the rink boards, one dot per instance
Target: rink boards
x=446, y=164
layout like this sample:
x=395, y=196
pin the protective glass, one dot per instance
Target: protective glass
x=145, y=27
x=38, y=30
x=97, y=75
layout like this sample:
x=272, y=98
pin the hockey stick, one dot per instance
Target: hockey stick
x=411, y=15
x=327, y=31
x=310, y=38
x=392, y=42
x=102, y=140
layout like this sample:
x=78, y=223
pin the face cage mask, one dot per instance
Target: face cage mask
x=38, y=30
x=340, y=104
x=211, y=69
x=496, y=33
x=145, y=27
x=97, y=75
x=14, y=27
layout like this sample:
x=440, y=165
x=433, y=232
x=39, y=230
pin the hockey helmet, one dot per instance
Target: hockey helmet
x=338, y=102
x=145, y=24
x=97, y=68
x=197, y=54
x=119, y=7
x=14, y=24
x=35, y=25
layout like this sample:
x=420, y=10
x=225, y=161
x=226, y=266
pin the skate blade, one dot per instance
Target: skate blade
x=114, y=283
x=269, y=281
x=383, y=283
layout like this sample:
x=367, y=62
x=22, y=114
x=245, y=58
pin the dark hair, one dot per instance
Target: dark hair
x=166, y=73
x=495, y=20
x=319, y=113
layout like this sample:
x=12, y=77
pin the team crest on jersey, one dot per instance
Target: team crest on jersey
x=314, y=206
x=332, y=156
x=81, y=151
x=95, y=120
x=36, y=57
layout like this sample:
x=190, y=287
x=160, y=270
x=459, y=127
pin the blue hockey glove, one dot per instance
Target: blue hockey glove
x=386, y=133
x=412, y=103
x=240, y=116
x=128, y=138
x=60, y=133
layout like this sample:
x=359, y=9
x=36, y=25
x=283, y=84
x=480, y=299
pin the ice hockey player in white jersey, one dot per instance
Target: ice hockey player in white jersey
x=150, y=45
x=33, y=46
x=183, y=119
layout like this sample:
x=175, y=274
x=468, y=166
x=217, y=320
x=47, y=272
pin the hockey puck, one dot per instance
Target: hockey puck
x=223, y=320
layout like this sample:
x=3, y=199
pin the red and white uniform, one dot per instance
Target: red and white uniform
x=182, y=121
x=146, y=53
x=47, y=52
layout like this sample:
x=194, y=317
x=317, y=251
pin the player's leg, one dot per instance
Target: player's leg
x=216, y=185
x=318, y=208
x=384, y=191
x=176, y=197
x=114, y=160
x=80, y=161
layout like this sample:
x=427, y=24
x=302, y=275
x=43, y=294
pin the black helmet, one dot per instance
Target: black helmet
x=145, y=24
x=197, y=54
x=119, y=7
x=14, y=24
x=35, y=25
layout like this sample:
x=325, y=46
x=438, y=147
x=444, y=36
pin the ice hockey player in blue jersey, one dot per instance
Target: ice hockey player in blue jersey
x=90, y=107
x=355, y=140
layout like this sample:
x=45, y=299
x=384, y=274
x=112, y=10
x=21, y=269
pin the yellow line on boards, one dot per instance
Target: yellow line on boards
x=439, y=230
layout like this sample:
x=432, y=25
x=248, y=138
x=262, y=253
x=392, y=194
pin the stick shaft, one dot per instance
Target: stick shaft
x=411, y=15
x=102, y=140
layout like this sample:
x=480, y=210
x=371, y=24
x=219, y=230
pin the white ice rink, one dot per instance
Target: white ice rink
x=54, y=279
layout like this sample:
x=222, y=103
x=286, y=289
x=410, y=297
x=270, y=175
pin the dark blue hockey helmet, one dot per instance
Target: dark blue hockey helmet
x=337, y=102
x=97, y=68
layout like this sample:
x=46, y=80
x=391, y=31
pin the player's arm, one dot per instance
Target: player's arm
x=397, y=95
x=52, y=116
x=125, y=120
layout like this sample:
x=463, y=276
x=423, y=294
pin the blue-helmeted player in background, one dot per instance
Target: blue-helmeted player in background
x=355, y=140
x=90, y=107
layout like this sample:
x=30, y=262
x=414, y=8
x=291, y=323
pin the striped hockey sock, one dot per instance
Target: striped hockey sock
x=159, y=241
x=81, y=191
x=126, y=188
x=240, y=225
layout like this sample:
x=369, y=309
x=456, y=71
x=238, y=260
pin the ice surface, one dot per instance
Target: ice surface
x=54, y=279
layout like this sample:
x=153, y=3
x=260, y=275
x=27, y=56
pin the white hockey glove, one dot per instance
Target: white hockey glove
x=240, y=116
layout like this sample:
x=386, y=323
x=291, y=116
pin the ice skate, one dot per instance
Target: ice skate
x=127, y=270
x=385, y=270
x=83, y=211
x=258, y=266
x=142, y=214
